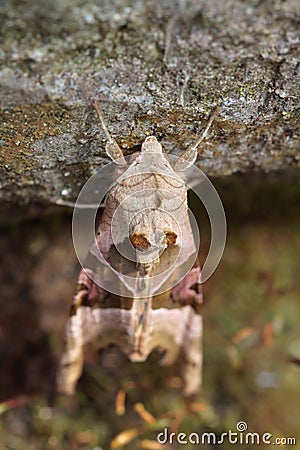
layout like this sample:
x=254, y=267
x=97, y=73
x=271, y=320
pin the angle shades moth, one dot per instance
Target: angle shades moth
x=139, y=287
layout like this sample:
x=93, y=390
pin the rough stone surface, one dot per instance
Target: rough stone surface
x=156, y=67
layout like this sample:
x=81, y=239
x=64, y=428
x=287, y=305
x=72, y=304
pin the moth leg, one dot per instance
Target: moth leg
x=189, y=156
x=112, y=148
x=71, y=363
x=192, y=354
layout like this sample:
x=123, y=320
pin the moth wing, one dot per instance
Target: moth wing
x=94, y=317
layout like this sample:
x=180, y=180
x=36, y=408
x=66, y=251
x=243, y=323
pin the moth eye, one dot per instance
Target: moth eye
x=171, y=237
x=139, y=241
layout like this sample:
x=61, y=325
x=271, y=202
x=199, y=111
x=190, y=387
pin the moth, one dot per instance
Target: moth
x=140, y=287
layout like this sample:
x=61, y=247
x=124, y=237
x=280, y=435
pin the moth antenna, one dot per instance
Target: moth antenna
x=189, y=156
x=185, y=82
x=168, y=37
x=112, y=148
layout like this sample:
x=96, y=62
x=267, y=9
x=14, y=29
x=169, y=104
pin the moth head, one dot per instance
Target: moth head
x=151, y=145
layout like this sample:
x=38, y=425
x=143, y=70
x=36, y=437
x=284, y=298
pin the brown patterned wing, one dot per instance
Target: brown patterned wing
x=171, y=322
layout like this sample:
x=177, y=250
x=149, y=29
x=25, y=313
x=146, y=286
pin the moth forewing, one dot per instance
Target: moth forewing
x=145, y=212
x=138, y=288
